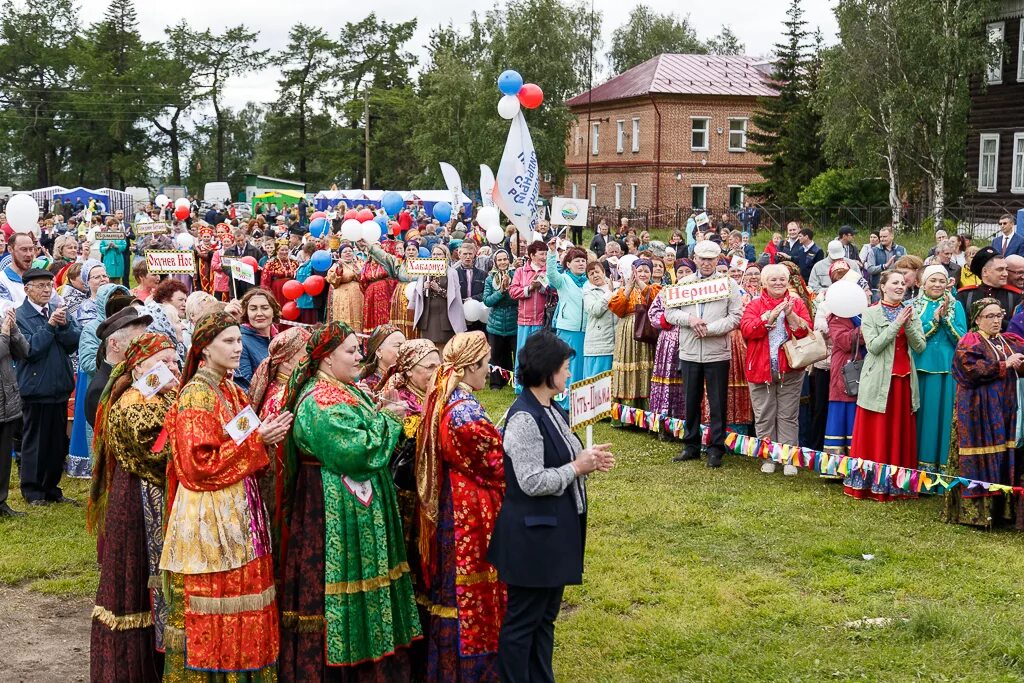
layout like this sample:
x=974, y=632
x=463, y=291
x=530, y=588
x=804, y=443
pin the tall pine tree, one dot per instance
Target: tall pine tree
x=786, y=130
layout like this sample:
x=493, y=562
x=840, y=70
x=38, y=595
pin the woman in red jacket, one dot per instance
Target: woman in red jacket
x=768, y=322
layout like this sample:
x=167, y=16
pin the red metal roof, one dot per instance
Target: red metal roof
x=684, y=75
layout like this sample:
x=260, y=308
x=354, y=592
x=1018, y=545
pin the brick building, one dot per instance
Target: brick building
x=671, y=132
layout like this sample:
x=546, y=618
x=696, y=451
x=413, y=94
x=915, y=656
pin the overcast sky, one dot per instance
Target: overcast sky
x=758, y=23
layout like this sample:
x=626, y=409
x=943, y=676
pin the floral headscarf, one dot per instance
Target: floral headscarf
x=285, y=345
x=206, y=330
x=980, y=305
x=373, y=344
x=410, y=353
x=162, y=325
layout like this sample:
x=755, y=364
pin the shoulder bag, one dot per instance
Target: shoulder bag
x=851, y=371
x=803, y=352
x=643, y=330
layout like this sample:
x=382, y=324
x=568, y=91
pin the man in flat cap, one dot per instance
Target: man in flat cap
x=45, y=379
x=991, y=268
x=115, y=333
x=704, y=353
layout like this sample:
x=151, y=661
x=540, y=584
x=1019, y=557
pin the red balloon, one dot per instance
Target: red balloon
x=182, y=212
x=290, y=310
x=351, y=214
x=364, y=215
x=530, y=95
x=317, y=214
x=314, y=284
x=251, y=262
x=293, y=289
x=395, y=227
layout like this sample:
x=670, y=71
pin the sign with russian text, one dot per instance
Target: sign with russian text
x=110, y=234
x=243, y=272
x=434, y=267
x=590, y=400
x=690, y=292
x=168, y=262
x=151, y=228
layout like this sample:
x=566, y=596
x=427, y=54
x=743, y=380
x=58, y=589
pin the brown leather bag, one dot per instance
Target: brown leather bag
x=643, y=330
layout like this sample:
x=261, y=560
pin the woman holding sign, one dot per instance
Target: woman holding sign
x=126, y=503
x=225, y=577
x=437, y=306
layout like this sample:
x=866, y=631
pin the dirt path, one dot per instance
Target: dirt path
x=43, y=638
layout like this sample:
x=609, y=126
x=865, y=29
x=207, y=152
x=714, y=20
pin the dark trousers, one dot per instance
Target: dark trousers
x=527, y=640
x=502, y=348
x=7, y=432
x=577, y=235
x=44, y=447
x=817, y=408
x=715, y=376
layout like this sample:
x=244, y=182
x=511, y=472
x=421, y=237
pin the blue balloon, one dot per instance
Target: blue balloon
x=319, y=227
x=443, y=211
x=510, y=82
x=392, y=202
x=424, y=252
x=382, y=221
x=321, y=260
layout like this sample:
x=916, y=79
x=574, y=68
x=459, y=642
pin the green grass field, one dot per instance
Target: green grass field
x=721, y=575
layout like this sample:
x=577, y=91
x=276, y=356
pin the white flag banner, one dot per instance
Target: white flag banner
x=486, y=185
x=518, y=178
x=454, y=183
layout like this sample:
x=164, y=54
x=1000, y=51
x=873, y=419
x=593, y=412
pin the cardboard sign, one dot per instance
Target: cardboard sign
x=739, y=263
x=154, y=380
x=434, y=267
x=243, y=424
x=151, y=228
x=162, y=262
x=110, y=234
x=243, y=272
x=590, y=400
x=693, y=291
x=702, y=218
x=569, y=211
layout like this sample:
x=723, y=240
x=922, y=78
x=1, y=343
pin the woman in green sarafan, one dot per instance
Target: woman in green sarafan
x=348, y=611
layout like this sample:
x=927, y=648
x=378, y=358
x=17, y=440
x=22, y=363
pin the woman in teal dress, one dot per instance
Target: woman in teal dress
x=944, y=323
x=570, y=320
x=348, y=611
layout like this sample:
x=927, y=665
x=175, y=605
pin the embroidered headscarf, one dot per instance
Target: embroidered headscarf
x=410, y=353
x=289, y=343
x=462, y=351
x=373, y=344
x=162, y=325
x=206, y=330
x=798, y=286
x=980, y=305
x=142, y=347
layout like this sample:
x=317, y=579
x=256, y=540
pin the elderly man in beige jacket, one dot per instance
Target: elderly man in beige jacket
x=704, y=352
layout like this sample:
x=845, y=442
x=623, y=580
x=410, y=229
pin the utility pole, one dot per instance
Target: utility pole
x=590, y=97
x=366, y=139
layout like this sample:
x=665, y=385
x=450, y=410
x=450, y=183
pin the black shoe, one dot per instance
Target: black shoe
x=65, y=499
x=7, y=511
x=714, y=460
x=39, y=501
x=687, y=454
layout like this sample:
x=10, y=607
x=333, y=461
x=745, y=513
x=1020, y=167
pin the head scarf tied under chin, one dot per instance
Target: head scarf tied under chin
x=142, y=347
x=285, y=345
x=980, y=305
x=206, y=330
x=464, y=350
x=410, y=353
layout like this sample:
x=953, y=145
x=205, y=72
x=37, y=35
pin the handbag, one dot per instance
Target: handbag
x=851, y=371
x=803, y=352
x=643, y=330
x=403, y=465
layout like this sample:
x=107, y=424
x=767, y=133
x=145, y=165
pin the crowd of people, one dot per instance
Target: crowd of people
x=325, y=495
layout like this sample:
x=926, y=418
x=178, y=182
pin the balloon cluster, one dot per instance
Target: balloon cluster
x=490, y=220
x=293, y=289
x=515, y=93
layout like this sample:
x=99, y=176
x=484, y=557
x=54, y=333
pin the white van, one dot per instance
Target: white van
x=217, y=193
x=140, y=196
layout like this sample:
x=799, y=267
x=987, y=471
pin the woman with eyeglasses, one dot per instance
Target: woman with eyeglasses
x=986, y=366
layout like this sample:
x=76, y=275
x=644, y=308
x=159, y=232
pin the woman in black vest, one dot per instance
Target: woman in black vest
x=538, y=540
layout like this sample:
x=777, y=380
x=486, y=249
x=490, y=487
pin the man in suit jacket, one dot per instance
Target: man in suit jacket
x=812, y=253
x=45, y=380
x=471, y=279
x=1008, y=242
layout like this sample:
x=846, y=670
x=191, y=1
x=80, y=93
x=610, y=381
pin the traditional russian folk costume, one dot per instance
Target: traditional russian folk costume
x=126, y=508
x=985, y=435
x=377, y=285
x=667, y=394
x=346, y=295
x=634, y=360
x=348, y=602
x=401, y=316
x=935, y=379
x=274, y=274
x=223, y=622
x=739, y=412
x=842, y=408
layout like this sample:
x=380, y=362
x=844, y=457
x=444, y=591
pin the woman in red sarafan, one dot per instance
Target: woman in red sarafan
x=277, y=271
x=377, y=286
x=460, y=475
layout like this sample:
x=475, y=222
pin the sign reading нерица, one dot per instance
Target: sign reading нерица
x=689, y=292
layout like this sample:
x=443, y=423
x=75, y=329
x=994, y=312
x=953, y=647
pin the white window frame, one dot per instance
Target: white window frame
x=995, y=163
x=994, y=72
x=743, y=133
x=593, y=194
x=1017, y=151
x=618, y=195
x=633, y=191
x=620, y=134
x=1020, y=52
x=739, y=204
x=575, y=190
x=707, y=133
x=595, y=138
x=636, y=129
x=704, y=204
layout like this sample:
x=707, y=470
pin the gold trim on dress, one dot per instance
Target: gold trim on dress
x=476, y=577
x=985, y=450
x=366, y=585
x=437, y=610
x=303, y=623
x=127, y=622
x=174, y=638
x=198, y=604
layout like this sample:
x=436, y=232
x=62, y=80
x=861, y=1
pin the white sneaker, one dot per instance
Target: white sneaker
x=768, y=467
x=790, y=470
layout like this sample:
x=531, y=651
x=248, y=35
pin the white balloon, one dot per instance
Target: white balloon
x=410, y=290
x=161, y=201
x=370, y=232
x=508, y=107
x=495, y=234
x=182, y=201
x=488, y=217
x=23, y=213
x=352, y=230
x=626, y=264
x=185, y=240
x=845, y=299
x=471, y=310
x=485, y=313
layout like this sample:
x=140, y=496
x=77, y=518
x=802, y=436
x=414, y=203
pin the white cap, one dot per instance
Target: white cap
x=707, y=249
x=836, y=250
